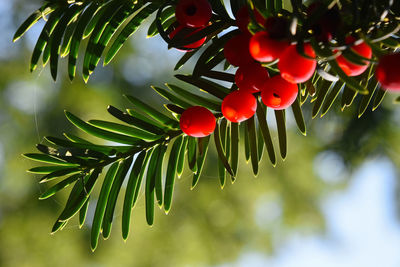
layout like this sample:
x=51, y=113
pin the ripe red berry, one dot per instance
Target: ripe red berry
x=350, y=68
x=243, y=18
x=197, y=121
x=236, y=50
x=239, y=106
x=265, y=49
x=277, y=93
x=294, y=67
x=189, y=32
x=388, y=72
x=193, y=13
x=251, y=77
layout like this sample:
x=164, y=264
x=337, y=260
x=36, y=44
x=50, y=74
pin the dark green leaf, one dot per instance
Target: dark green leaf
x=130, y=192
x=101, y=204
x=184, y=59
x=378, y=98
x=59, y=173
x=46, y=169
x=152, y=112
x=61, y=185
x=262, y=121
x=48, y=159
x=298, y=116
x=42, y=12
x=321, y=94
x=212, y=88
x=78, y=199
x=366, y=99
x=220, y=150
x=45, y=36
x=203, y=149
x=78, y=36
x=196, y=99
x=83, y=212
x=128, y=30
x=56, y=36
x=234, y=147
x=181, y=160
x=135, y=121
x=221, y=168
x=192, y=153
x=125, y=130
x=171, y=97
x=150, y=185
x=331, y=97
x=251, y=129
x=281, y=126
x=165, y=15
x=158, y=175
x=174, y=157
x=123, y=168
x=119, y=138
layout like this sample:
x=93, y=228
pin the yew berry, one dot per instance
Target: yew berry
x=236, y=50
x=277, y=93
x=251, y=77
x=265, y=49
x=197, y=121
x=239, y=106
x=352, y=69
x=388, y=72
x=243, y=18
x=294, y=67
x=193, y=13
x=189, y=32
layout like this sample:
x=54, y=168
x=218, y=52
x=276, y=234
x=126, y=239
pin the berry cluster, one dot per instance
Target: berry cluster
x=192, y=16
x=296, y=62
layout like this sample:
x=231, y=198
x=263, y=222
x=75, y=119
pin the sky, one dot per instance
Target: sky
x=362, y=228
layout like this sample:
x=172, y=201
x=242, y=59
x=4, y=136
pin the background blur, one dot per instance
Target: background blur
x=333, y=202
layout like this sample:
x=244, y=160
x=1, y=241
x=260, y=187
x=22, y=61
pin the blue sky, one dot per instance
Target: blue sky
x=362, y=229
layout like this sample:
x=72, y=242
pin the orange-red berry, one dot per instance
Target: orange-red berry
x=296, y=68
x=352, y=69
x=277, y=93
x=193, y=13
x=236, y=50
x=197, y=121
x=265, y=49
x=251, y=77
x=189, y=32
x=239, y=106
x=388, y=72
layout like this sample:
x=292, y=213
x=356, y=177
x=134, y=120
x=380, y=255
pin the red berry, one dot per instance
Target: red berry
x=265, y=49
x=251, y=77
x=294, y=67
x=388, y=72
x=193, y=13
x=190, y=31
x=239, y=106
x=236, y=50
x=243, y=18
x=350, y=68
x=278, y=93
x=197, y=121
